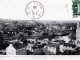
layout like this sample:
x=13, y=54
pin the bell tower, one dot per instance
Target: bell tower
x=78, y=35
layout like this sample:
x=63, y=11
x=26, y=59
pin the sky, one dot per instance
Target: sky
x=57, y=10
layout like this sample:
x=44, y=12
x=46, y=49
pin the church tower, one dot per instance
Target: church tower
x=78, y=34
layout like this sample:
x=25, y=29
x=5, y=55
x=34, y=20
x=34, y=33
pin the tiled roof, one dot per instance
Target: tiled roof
x=53, y=45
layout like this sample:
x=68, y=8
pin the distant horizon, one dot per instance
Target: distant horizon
x=41, y=20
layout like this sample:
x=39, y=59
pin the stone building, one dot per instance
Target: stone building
x=78, y=35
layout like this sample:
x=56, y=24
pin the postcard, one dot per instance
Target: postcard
x=39, y=29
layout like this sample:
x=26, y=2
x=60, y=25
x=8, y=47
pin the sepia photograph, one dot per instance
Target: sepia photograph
x=31, y=37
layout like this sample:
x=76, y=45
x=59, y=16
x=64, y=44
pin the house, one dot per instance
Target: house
x=66, y=39
x=68, y=46
x=10, y=50
x=52, y=49
x=29, y=47
x=53, y=39
x=44, y=41
x=31, y=40
x=61, y=48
